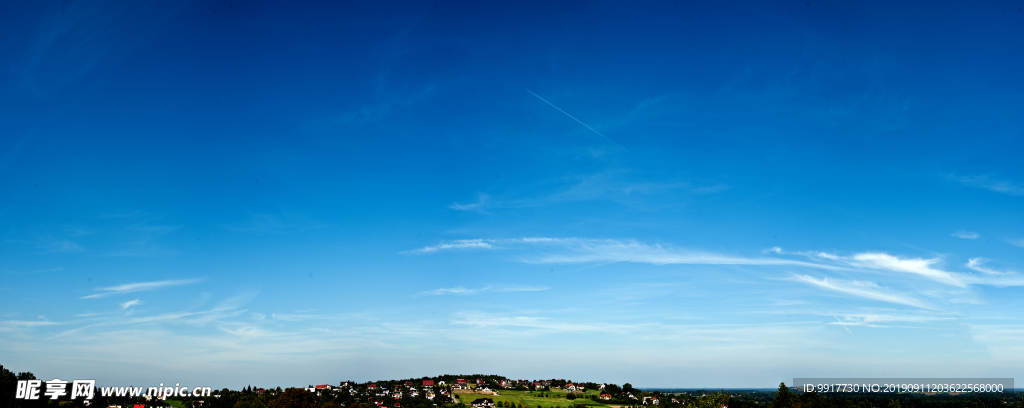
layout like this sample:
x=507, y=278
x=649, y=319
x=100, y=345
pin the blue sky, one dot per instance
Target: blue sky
x=725, y=194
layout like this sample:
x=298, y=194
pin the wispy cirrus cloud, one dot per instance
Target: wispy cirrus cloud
x=977, y=265
x=536, y=323
x=808, y=254
x=130, y=303
x=483, y=201
x=887, y=320
x=584, y=250
x=990, y=183
x=296, y=317
x=55, y=245
x=456, y=244
x=17, y=325
x=138, y=287
x=459, y=290
x=918, y=266
x=1003, y=279
x=966, y=235
x=867, y=290
x=577, y=250
x=623, y=186
x=879, y=261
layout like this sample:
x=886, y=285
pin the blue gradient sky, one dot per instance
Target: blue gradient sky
x=233, y=192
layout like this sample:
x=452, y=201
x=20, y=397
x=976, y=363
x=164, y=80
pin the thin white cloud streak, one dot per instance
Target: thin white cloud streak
x=992, y=184
x=966, y=235
x=867, y=290
x=541, y=323
x=482, y=202
x=457, y=244
x=1016, y=242
x=976, y=264
x=1003, y=280
x=64, y=245
x=296, y=317
x=16, y=325
x=459, y=290
x=581, y=250
x=842, y=324
x=130, y=303
x=228, y=308
x=921, y=267
x=883, y=320
x=916, y=266
x=809, y=254
x=138, y=287
x=612, y=185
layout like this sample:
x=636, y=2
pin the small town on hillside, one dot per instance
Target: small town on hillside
x=493, y=391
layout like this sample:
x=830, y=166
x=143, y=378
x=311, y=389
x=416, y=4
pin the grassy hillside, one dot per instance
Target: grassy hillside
x=533, y=399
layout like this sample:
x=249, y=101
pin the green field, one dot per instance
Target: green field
x=535, y=399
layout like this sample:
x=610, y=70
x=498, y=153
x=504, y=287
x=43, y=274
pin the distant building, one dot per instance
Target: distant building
x=483, y=403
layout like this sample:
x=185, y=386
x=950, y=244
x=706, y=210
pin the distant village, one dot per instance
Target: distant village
x=482, y=392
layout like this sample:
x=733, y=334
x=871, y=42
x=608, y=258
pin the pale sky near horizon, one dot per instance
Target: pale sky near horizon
x=671, y=194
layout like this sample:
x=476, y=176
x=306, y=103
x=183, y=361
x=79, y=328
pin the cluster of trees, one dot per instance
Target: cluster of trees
x=224, y=398
x=620, y=395
x=8, y=386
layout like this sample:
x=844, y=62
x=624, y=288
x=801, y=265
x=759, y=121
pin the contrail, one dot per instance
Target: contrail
x=605, y=137
x=841, y=324
x=579, y=121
